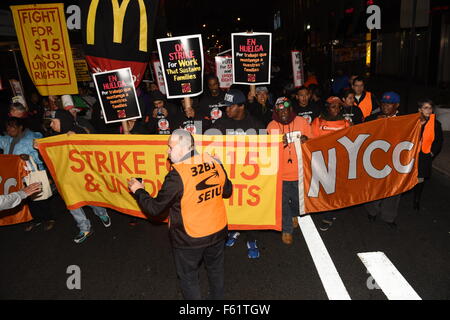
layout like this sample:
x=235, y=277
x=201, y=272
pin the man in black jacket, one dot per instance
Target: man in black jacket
x=194, y=191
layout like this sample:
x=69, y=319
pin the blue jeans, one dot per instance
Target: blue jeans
x=83, y=223
x=290, y=205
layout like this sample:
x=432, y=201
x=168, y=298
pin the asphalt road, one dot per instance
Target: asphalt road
x=124, y=262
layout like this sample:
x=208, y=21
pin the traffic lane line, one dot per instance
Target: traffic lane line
x=387, y=277
x=331, y=281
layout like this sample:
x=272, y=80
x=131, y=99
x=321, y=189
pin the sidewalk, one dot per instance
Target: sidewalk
x=442, y=161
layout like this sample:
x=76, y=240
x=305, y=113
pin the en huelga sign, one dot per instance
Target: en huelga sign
x=251, y=54
x=117, y=95
x=182, y=64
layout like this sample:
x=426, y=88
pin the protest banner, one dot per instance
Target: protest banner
x=44, y=43
x=117, y=95
x=182, y=64
x=297, y=68
x=251, y=55
x=12, y=172
x=94, y=169
x=159, y=76
x=224, y=71
x=362, y=163
x=117, y=36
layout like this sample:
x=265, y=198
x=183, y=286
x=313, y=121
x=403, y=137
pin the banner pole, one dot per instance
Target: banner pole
x=125, y=127
x=187, y=103
x=18, y=70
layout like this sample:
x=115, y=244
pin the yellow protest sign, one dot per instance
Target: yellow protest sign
x=44, y=43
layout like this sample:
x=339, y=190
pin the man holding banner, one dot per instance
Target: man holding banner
x=387, y=207
x=63, y=122
x=9, y=201
x=194, y=190
x=287, y=123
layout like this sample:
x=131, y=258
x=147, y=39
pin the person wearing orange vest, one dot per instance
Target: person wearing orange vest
x=330, y=121
x=432, y=139
x=365, y=100
x=387, y=207
x=194, y=191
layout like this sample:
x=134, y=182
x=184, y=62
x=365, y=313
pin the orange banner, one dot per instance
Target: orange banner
x=363, y=163
x=44, y=43
x=12, y=172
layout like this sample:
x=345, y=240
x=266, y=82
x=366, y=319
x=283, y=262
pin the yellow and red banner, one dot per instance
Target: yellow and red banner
x=363, y=163
x=12, y=172
x=94, y=169
x=44, y=43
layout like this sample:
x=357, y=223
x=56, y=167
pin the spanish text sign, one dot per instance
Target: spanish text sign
x=44, y=43
x=94, y=169
x=182, y=63
x=251, y=57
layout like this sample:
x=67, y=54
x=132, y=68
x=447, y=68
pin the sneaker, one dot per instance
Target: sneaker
x=232, y=238
x=326, y=224
x=106, y=220
x=82, y=236
x=253, y=251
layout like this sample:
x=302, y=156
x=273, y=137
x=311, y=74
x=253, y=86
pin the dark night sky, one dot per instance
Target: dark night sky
x=183, y=17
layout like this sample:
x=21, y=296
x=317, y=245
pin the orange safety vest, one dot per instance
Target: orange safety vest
x=428, y=135
x=366, y=105
x=202, y=207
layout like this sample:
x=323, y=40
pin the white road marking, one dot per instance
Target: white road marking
x=387, y=277
x=328, y=274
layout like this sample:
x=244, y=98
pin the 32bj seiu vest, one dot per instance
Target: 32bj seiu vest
x=202, y=207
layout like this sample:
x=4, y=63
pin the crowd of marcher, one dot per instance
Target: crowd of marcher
x=310, y=109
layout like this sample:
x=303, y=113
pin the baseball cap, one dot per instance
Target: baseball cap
x=234, y=96
x=260, y=89
x=390, y=97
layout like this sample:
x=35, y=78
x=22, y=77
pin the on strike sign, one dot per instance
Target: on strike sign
x=251, y=57
x=44, y=43
x=182, y=63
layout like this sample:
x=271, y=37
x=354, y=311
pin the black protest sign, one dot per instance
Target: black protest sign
x=251, y=57
x=182, y=63
x=117, y=95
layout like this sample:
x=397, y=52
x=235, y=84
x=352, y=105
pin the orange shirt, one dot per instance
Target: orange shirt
x=288, y=159
x=321, y=127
